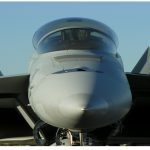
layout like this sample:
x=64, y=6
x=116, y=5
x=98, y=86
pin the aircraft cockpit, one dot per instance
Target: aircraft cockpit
x=75, y=34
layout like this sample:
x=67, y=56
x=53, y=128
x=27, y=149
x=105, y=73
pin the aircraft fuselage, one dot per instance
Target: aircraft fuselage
x=77, y=79
x=78, y=90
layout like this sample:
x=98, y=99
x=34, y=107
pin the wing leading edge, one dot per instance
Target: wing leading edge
x=17, y=120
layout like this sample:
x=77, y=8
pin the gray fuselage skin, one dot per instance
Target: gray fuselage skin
x=80, y=90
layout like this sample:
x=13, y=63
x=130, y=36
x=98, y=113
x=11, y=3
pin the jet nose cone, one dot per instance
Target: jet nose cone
x=84, y=108
x=80, y=100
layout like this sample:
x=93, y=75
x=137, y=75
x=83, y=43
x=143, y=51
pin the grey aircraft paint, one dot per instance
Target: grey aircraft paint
x=143, y=64
x=77, y=78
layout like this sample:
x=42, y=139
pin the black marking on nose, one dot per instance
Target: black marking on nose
x=81, y=70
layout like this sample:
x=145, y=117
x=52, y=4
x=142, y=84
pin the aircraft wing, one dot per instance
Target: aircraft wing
x=14, y=84
x=139, y=85
x=16, y=118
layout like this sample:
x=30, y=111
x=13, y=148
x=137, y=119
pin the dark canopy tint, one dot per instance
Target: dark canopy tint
x=76, y=34
x=76, y=39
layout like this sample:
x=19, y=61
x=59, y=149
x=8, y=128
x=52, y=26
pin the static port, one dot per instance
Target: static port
x=81, y=70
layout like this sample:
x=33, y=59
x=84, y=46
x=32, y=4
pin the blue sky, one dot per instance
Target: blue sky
x=20, y=20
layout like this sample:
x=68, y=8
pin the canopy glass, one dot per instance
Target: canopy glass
x=75, y=34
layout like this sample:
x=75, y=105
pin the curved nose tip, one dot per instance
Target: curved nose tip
x=84, y=106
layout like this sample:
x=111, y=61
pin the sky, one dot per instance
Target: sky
x=20, y=20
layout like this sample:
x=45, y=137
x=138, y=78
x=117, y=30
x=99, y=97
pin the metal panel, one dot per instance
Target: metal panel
x=14, y=84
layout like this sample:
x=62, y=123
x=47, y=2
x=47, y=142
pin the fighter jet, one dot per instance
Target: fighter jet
x=75, y=91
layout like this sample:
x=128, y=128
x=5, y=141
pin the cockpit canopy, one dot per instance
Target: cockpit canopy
x=75, y=34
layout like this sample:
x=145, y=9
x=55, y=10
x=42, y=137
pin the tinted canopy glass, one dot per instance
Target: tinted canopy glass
x=74, y=33
x=76, y=39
